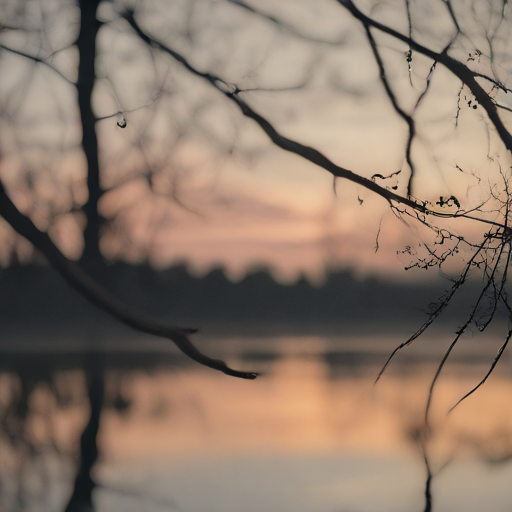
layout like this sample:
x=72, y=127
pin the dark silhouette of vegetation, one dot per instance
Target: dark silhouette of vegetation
x=342, y=304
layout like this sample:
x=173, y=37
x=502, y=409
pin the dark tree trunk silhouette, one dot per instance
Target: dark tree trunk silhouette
x=86, y=43
x=81, y=497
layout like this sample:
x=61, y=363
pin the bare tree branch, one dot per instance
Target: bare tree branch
x=100, y=297
x=461, y=71
x=38, y=60
x=460, y=332
x=391, y=95
x=458, y=283
x=285, y=26
x=232, y=92
x=491, y=369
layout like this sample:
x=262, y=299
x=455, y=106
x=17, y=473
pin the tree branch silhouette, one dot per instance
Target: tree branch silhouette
x=232, y=92
x=461, y=71
x=37, y=60
x=101, y=298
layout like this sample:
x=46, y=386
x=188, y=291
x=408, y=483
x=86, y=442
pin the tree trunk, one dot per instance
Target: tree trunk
x=86, y=43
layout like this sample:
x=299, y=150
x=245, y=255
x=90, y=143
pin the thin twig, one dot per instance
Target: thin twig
x=460, y=281
x=491, y=369
x=459, y=333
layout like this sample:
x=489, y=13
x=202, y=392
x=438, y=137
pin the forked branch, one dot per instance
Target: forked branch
x=232, y=92
x=460, y=70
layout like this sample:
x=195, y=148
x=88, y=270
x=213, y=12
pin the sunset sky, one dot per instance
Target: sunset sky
x=190, y=179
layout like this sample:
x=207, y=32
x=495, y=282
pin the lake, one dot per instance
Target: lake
x=312, y=433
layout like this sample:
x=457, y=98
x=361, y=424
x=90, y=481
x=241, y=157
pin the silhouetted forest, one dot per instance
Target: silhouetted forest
x=35, y=295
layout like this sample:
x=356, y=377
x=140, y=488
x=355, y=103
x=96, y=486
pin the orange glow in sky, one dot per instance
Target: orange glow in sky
x=189, y=178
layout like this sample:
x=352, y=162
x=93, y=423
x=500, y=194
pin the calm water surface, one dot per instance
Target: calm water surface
x=312, y=433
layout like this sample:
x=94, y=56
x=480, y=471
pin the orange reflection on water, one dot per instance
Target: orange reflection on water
x=325, y=433
x=298, y=408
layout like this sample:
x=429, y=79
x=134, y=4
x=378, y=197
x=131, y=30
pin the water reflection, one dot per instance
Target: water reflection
x=312, y=433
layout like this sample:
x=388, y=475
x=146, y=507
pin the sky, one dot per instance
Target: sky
x=190, y=179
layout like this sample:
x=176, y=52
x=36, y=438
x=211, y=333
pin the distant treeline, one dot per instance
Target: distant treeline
x=33, y=295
